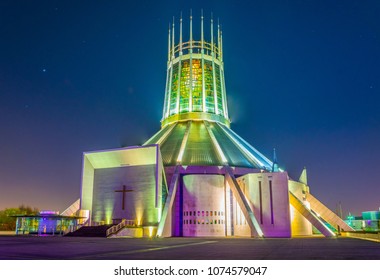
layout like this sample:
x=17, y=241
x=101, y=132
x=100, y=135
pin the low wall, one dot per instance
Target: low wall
x=12, y=232
x=373, y=236
x=129, y=232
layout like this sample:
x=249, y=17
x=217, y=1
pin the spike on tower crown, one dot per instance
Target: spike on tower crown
x=195, y=86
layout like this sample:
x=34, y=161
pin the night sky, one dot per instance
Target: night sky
x=301, y=77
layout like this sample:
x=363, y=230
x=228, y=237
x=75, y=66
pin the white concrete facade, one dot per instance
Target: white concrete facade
x=139, y=203
x=268, y=196
x=104, y=175
x=203, y=205
x=300, y=225
x=206, y=206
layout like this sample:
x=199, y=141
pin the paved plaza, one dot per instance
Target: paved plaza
x=44, y=248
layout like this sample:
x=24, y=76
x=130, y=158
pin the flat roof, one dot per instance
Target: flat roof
x=129, y=156
x=46, y=216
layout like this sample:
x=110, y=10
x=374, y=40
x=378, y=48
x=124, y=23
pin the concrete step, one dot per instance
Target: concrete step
x=90, y=231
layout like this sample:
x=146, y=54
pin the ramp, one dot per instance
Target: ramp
x=329, y=216
x=244, y=206
x=311, y=217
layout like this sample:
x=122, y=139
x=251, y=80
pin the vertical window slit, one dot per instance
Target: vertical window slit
x=271, y=202
x=261, y=203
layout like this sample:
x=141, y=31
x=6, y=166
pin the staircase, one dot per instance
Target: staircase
x=116, y=228
x=91, y=231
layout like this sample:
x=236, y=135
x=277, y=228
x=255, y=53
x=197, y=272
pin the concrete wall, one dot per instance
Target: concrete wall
x=236, y=224
x=10, y=232
x=139, y=204
x=300, y=225
x=230, y=201
x=363, y=235
x=271, y=208
x=203, y=211
x=239, y=223
x=177, y=209
x=129, y=232
x=87, y=185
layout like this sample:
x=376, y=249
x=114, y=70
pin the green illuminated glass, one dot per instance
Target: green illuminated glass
x=218, y=90
x=209, y=87
x=196, y=85
x=184, y=86
x=174, y=89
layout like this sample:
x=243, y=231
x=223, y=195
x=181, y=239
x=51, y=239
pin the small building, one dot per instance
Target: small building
x=45, y=223
x=368, y=221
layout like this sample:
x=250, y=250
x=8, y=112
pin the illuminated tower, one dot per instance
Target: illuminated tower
x=202, y=156
x=195, y=87
x=195, y=124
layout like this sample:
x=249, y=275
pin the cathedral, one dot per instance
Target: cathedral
x=196, y=177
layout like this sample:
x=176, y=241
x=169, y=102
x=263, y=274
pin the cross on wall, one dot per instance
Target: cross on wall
x=123, y=191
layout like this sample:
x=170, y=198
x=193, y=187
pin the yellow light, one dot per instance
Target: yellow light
x=108, y=209
x=292, y=214
x=180, y=155
x=150, y=229
x=139, y=213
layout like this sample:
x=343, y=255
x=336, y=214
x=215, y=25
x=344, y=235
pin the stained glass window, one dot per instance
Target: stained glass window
x=209, y=87
x=186, y=80
x=174, y=89
x=218, y=90
x=185, y=86
x=197, y=85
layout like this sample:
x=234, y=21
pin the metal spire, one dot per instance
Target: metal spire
x=180, y=35
x=173, y=40
x=212, y=35
x=202, y=39
x=221, y=44
x=191, y=31
x=218, y=40
x=275, y=164
x=169, y=43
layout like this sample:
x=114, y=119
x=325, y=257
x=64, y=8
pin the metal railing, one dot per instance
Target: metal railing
x=116, y=228
x=196, y=46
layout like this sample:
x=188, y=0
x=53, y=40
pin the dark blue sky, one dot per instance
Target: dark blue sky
x=301, y=76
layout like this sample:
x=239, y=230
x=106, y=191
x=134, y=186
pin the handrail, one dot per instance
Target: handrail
x=114, y=229
x=75, y=228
